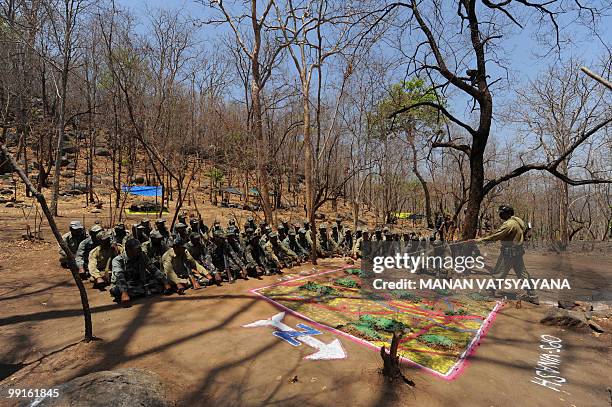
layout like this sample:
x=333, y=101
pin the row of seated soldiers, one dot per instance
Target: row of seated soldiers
x=151, y=260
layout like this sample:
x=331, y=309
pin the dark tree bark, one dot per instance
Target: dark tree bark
x=71, y=260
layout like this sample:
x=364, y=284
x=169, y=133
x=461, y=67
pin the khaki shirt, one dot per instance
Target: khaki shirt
x=511, y=233
x=100, y=259
x=177, y=269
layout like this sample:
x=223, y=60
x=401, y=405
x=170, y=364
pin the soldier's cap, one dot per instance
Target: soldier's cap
x=181, y=225
x=249, y=231
x=273, y=235
x=262, y=223
x=105, y=235
x=120, y=226
x=156, y=235
x=249, y=219
x=178, y=241
x=385, y=229
x=280, y=226
x=194, y=236
x=302, y=231
x=305, y=223
x=267, y=229
x=132, y=244
x=377, y=230
x=204, y=228
x=291, y=232
x=216, y=223
x=285, y=222
x=347, y=231
x=160, y=221
x=219, y=233
x=140, y=227
x=145, y=220
x=365, y=232
x=231, y=222
x=193, y=222
x=75, y=224
x=322, y=226
x=334, y=226
x=388, y=232
x=505, y=208
x=96, y=229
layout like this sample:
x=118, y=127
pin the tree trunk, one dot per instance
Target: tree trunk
x=262, y=171
x=476, y=194
x=71, y=260
x=415, y=169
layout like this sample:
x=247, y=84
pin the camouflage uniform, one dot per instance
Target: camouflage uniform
x=224, y=258
x=325, y=247
x=72, y=239
x=302, y=240
x=137, y=276
x=100, y=257
x=292, y=243
x=358, y=245
x=86, y=246
x=199, y=251
x=120, y=234
x=255, y=257
x=154, y=248
x=160, y=226
x=274, y=248
x=346, y=243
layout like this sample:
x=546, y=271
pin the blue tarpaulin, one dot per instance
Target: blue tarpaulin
x=143, y=190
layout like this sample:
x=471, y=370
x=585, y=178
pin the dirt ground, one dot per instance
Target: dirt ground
x=197, y=344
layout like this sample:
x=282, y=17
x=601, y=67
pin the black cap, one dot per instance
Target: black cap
x=178, y=242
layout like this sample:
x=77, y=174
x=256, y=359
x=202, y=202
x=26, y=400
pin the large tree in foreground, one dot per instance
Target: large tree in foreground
x=458, y=49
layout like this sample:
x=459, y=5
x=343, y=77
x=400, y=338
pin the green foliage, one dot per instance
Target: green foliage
x=367, y=331
x=439, y=340
x=215, y=174
x=346, y=282
x=478, y=297
x=380, y=323
x=460, y=311
x=356, y=272
x=405, y=295
x=402, y=95
x=319, y=288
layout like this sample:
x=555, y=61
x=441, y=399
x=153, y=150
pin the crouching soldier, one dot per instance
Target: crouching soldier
x=303, y=240
x=200, y=254
x=85, y=247
x=287, y=257
x=154, y=248
x=346, y=243
x=224, y=258
x=292, y=243
x=358, y=246
x=120, y=234
x=134, y=275
x=182, y=270
x=100, y=258
x=325, y=246
x=257, y=262
x=72, y=239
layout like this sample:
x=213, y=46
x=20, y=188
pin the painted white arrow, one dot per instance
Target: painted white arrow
x=332, y=350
